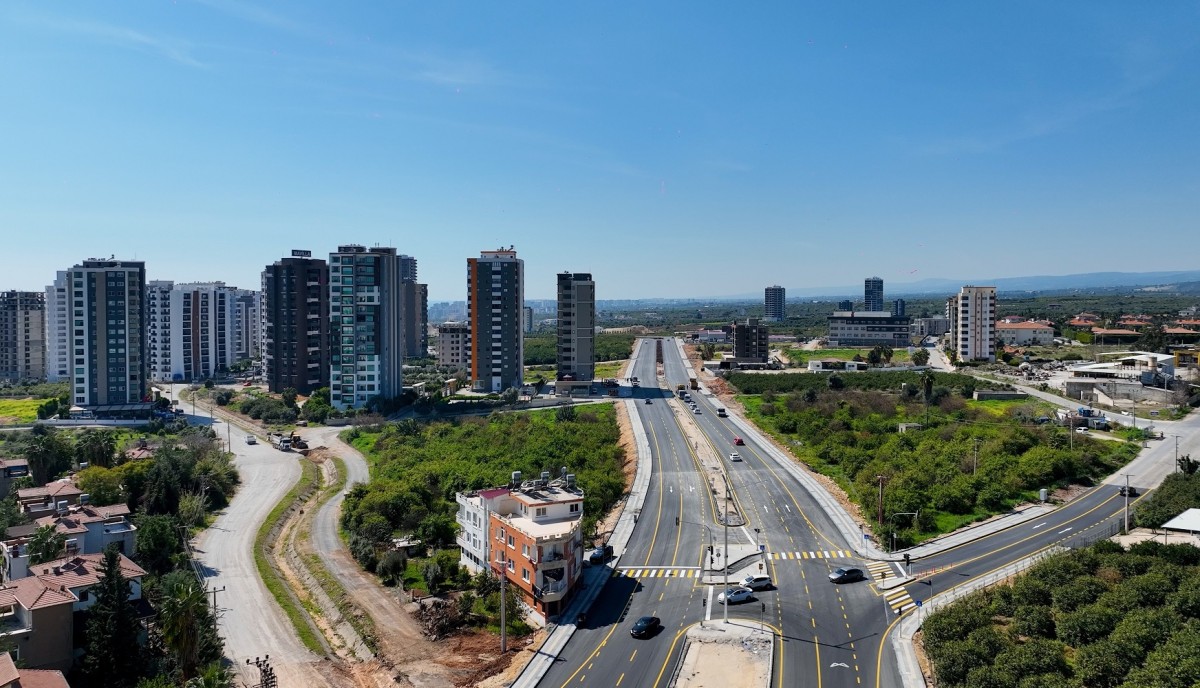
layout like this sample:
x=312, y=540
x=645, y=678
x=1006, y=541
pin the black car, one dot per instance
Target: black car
x=645, y=627
x=601, y=554
x=1130, y=491
x=846, y=575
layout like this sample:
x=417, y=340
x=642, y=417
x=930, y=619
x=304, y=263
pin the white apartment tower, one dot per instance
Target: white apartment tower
x=976, y=324
x=576, y=327
x=495, y=297
x=247, y=325
x=366, y=324
x=106, y=331
x=58, y=336
x=191, y=330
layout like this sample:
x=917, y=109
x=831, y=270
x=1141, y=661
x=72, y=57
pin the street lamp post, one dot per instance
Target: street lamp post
x=725, y=521
x=1126, y=501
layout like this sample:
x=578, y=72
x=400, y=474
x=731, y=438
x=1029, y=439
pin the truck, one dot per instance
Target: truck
x=721, y=413
x=681, y=392
x=280, y=441
x=694, y=384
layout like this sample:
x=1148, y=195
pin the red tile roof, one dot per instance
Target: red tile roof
x=41, y=678
x=8, y=670
x=1024, y=326
x=1179, y=330
x=58, y=488
x=82, y=570
x=33, y=593
x=1116, y=333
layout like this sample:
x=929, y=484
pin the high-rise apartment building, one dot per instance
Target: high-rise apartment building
x=414, y=299
x=495, y=297
x=295, y=323
x=454, y=345
x=873, y=294
x=247, y=325
x=527, y=319
x=58, y=331
x=576, y=357
x=366, y=319
x=751, y=341
x=22, y=335
x=975, y=331
x=191, y=330
x=106, y=330
x=845, y=305
x=899, y=308
x=773, y=303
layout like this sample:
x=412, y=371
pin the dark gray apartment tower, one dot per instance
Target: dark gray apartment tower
x=751, y=341
x=106, y=300
x=495, y=298
x=773, y=303
x=898, y=308
x=295, y=323
x=367, y=322
x=845, y=305
x=415, y=307
x=576, y=326
x=873, y=294
x=22, y=335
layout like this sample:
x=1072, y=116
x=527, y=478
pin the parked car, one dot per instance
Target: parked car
x=251, y=439
x=757, y=581
x=734, y=456
x=1081, y=429
x=696, y=410
x=734, y=595
x=645, y=627
x=601, y=554
x=841, y=575
x=737, y=441
x=649, y=400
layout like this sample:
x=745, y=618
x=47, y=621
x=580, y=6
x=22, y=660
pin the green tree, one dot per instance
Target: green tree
x=920, y=357
x=96, y=447
x=192, y=507
x=112, y=656
x=47, y=544
x=158, y=542
x=102, y=485
x=182, y=617
x=432, y=573
x=289, y=397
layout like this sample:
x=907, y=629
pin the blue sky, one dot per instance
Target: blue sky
x=671, y=149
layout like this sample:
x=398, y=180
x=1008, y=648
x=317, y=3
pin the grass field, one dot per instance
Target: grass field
x=19, y=410
x=608, y=369
x=803, y=356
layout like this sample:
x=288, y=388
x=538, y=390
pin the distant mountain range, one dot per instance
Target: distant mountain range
x=1183, y=281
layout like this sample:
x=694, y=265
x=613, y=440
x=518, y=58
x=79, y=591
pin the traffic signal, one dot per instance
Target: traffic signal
x=906, y=559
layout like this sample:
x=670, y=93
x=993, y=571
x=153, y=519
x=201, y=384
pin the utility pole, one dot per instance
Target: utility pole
x=214, y=592
x=725, y=520
x=1126, y=502
x=880, y=479
x=975, y=466
x=266, y=675
x=503, y=615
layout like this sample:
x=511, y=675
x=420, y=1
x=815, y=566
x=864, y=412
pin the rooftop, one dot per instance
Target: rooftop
x=81, y=570
x=34, y=593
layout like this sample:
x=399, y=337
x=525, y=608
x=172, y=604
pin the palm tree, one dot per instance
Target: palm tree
x=46, y=544
x=183, y=609
x=97, y=447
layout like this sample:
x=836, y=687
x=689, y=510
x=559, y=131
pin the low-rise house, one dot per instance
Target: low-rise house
x=12, y=677
x=79, y=573
x=531, y=533
x=37, y=621
x=10, y=470
x=51, y=497
x=1025, y=333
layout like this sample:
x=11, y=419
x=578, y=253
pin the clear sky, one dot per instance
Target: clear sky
x=672, y=149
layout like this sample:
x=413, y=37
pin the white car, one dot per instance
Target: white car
x=758, y=581
x=734, y=456
x=696, y=410
x=734, y=595
x=251, y=439
x=1081, y=429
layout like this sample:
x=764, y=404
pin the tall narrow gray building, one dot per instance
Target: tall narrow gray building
x=105, y=327
x=22, y=335
x=873, y=294
x=495, y=297
x=773, y=304
x=295, y=323
x=367, y=323
x=576, y=327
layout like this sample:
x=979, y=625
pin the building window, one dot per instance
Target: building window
x=525, y=550
x=575, y=508
x=541, y=511
x=511, y=545
x=524, y=574
x=511, y=566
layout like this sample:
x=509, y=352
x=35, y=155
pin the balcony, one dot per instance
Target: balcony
x=551, y=592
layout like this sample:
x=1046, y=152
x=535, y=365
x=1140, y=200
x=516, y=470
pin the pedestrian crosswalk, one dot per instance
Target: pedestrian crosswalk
x=657, y=572
x=899, y=600
x=881, y=570
x=814, y=554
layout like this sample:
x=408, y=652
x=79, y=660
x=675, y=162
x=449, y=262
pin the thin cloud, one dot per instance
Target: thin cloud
x=123, y=37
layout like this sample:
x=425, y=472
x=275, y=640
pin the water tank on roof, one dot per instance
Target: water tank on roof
x=516, y=477
x=85, y=498
x=545, y=477
x=570, y=480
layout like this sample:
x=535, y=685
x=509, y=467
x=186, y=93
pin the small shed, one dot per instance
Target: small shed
x=1188, y=522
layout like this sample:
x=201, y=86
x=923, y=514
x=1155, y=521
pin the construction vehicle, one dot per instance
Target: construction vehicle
x=280, y=441
x=694, y=384
x=298, y=442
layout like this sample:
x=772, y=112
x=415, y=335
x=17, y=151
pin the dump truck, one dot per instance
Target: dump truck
x=280, y=441
x=694, y=384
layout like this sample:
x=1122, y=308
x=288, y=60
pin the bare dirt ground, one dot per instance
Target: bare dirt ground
x=738, y=658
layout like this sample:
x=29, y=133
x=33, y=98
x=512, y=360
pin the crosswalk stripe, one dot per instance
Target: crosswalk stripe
x=811, y=555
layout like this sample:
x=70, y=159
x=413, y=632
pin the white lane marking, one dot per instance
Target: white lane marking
x=788, y=508
x=1063, y=531
x=1039, y=525
x=839, y=664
